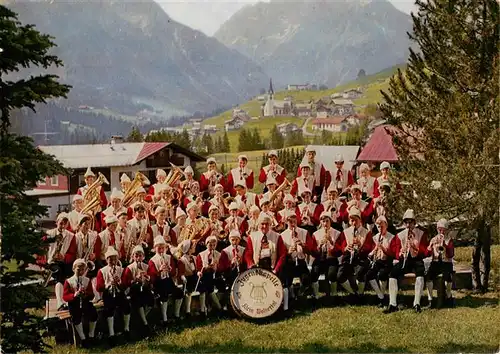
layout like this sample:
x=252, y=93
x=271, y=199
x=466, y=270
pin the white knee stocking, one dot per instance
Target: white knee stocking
x=419, y=288
x=142, y=314
x=315, y=288
x=347, y=286
x=79, y=330
x=203, y=305
x=188, y=303
x=215, y=300
x=430, y=288
x=164, y=308
x=376, y=288
x=333, y=289
x=111, y=326
x=92, y=326
x=285, y=299
x=126, y=323
x=393, y=291
x=361, y=287
x=177, y=308
x=59, y=290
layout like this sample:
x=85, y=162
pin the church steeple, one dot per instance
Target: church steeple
x=271, y=90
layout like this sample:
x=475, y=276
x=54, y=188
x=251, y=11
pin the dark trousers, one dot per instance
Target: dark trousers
x=230, y=275
x=79, y=309
x=141, y=296
x=327, y=266
x=357, y=268
x=165, y=288
x=379, y=270
x=295, y=269
x=209, y=281
x=412, y=265
x=437, y=268
x=113, y=302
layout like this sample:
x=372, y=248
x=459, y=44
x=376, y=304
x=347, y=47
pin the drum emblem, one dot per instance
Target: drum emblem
x=258, y=292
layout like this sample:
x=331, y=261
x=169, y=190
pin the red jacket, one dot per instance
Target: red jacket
x=280, y=259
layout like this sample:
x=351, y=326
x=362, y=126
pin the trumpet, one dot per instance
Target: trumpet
x=79, y=286
x=243, y=174
x=354, y=246
x=142, y=276
x=407, y=250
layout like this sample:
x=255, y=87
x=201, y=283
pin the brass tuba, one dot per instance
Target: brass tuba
x=173, y=176
x=286, y=183
x=130, y=193
x=92, y=194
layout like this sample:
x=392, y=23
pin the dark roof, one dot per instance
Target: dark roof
x=379, y=147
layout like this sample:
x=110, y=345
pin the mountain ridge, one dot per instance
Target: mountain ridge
x=126, y=54
x=336, y=39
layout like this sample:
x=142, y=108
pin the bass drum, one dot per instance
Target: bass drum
x=256, y=293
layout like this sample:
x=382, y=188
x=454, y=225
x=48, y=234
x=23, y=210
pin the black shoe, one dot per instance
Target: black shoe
x=417, y=308
x=112, y=341
x=429, y=305
x=450, y=302
x=391, y=309
x=381, y=303
x=127, y=336
x=86, y=343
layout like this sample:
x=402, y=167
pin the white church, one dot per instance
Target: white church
x=273, y=108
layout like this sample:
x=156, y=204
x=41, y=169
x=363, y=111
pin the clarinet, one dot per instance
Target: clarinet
x=79, y=285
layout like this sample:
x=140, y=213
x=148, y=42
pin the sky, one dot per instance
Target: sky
x=208, y=15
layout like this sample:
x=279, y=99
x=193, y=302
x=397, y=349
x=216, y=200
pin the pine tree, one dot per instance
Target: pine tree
x=183, y=139
x=135, y=136
x=276, y=139
x=264, y=161
x=445, y=108
x=243, y=140
x=226, y=147
x=22, y=166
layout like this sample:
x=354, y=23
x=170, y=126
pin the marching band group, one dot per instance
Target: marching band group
x=181, y=236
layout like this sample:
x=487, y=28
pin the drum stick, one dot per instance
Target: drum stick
x=197, y=283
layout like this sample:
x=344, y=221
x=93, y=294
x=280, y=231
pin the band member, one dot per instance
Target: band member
x=271, y=185
x=161, y=175
x=289, y=206
x=356, y=243
x=180, y=221
x=124, y=182
x=387, y=248
x=162, y=228
x=108, y=236
x=89, y=179
x=115, y=208
x=124, y=237
x=380, y=202
x=333, y=205
x=140, y=195
x=187, y=273
x=89, y=248
x=74, y=215
x=192, y=194
x=341, y=178
x=241, y=173
x=441, y=250
x=325, y=254
x=318, y=171
x=207, y=263
x=384, y=169
x=211, y=178
x=161, y=270
x=217, y=228
x=142, y=234
x=305, y=181
x=231, y=260
x=266, y=209
x=136, y=282
x=265, y=249
x=309, y=211
x=235, y=222
x=162, y=196
x=411, y=260
x=273, y=169
x=244, y=198
x=149, y=206
x=60, y=255
x=218, y=200
x=299, y=244
x=364, y=207
x=368, y=184
x=78, y=293
x=113, y=293
x=253, y=219
x=188, y=182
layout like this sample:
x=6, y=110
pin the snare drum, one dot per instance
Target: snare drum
x=256, y=293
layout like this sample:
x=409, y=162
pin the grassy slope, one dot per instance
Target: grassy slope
x=371, y=83
x=470, y=327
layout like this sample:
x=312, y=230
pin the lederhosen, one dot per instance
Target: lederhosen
x=113, y=299
x=233, y=271
x=189, y=263
x=141, y=295
x=325, y=262
x=165, y=287
x=412, y=264
x=360, y=263
x=440, y=265
x=295, y=266
x=81, y=305
x=210, y=279
x=380, y=269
